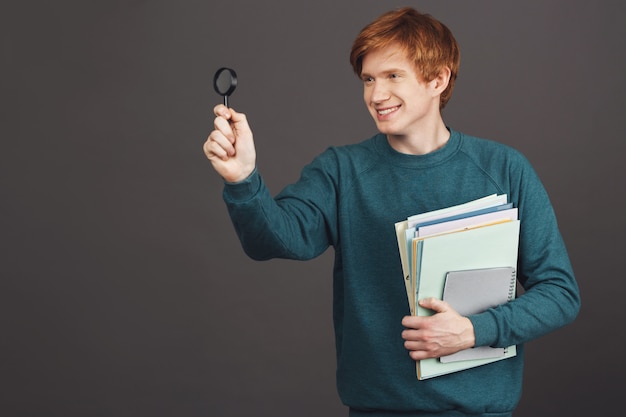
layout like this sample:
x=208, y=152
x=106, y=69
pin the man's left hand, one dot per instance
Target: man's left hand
x=444, y=333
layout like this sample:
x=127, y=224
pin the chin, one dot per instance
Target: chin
x=383, y=127
x=386, y=129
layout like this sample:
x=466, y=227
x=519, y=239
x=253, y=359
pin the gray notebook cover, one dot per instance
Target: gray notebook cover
x=474, y=291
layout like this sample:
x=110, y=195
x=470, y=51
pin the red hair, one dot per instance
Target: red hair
x=425, y=40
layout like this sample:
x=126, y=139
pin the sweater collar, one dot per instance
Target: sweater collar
x=418, y=161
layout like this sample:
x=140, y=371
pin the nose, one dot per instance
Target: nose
x=379, y=92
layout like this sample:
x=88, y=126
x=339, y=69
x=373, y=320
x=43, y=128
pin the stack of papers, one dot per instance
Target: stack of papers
x=475, y=246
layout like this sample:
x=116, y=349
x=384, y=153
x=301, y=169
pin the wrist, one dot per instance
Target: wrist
x=240, y=177
x=470, y=336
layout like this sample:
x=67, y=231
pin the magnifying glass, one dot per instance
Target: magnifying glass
x=225, y=82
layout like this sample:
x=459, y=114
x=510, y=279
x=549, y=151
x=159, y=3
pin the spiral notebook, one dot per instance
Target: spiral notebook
x=474, y=291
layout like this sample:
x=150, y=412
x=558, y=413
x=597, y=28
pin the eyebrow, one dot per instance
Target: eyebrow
x=386, y=72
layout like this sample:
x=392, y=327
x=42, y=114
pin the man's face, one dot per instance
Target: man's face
x=399, y=102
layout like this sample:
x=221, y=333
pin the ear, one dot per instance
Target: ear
x=441, y=81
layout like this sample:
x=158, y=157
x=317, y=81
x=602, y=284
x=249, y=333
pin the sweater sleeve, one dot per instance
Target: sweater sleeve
x=296, y=224
x=551, y=296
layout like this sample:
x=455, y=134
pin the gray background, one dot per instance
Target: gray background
x=124, y=289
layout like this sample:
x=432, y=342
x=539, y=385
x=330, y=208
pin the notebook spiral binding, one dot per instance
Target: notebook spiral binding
x=513, y=285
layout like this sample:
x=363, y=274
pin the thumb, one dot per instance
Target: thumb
x=235, y=116
x=434, y=304
x=239, y=123
x=229, y=114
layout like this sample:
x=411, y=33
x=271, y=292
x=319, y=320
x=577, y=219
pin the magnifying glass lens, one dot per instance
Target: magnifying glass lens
x=225, y=82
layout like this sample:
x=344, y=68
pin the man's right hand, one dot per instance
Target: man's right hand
x=230, y=146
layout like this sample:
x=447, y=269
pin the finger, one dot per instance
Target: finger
x=221, y=111
x=426, y=348
x=236, y=117
x=221, y=140
x=411, y=335
x=218, y=145
x=224, y=127
x=419, y=351
x=409, y=321
x=414, y=322
x=415, y=345
x=212, y=151
x=411, y=345
x=418, y=355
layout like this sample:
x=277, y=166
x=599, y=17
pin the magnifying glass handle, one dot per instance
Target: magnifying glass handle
x=226, y=101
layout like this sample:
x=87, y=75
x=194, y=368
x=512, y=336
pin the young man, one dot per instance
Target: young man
x=349, y=197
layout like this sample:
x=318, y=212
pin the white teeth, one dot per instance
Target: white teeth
x=387, y=111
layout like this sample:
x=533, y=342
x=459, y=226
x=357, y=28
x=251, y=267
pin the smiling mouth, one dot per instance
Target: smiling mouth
x=384, y=112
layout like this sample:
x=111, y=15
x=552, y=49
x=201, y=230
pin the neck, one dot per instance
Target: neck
x=422, y=142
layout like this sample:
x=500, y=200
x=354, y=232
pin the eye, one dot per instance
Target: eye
x=368, y=80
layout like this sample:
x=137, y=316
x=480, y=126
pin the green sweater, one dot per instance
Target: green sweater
x=349, y=197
